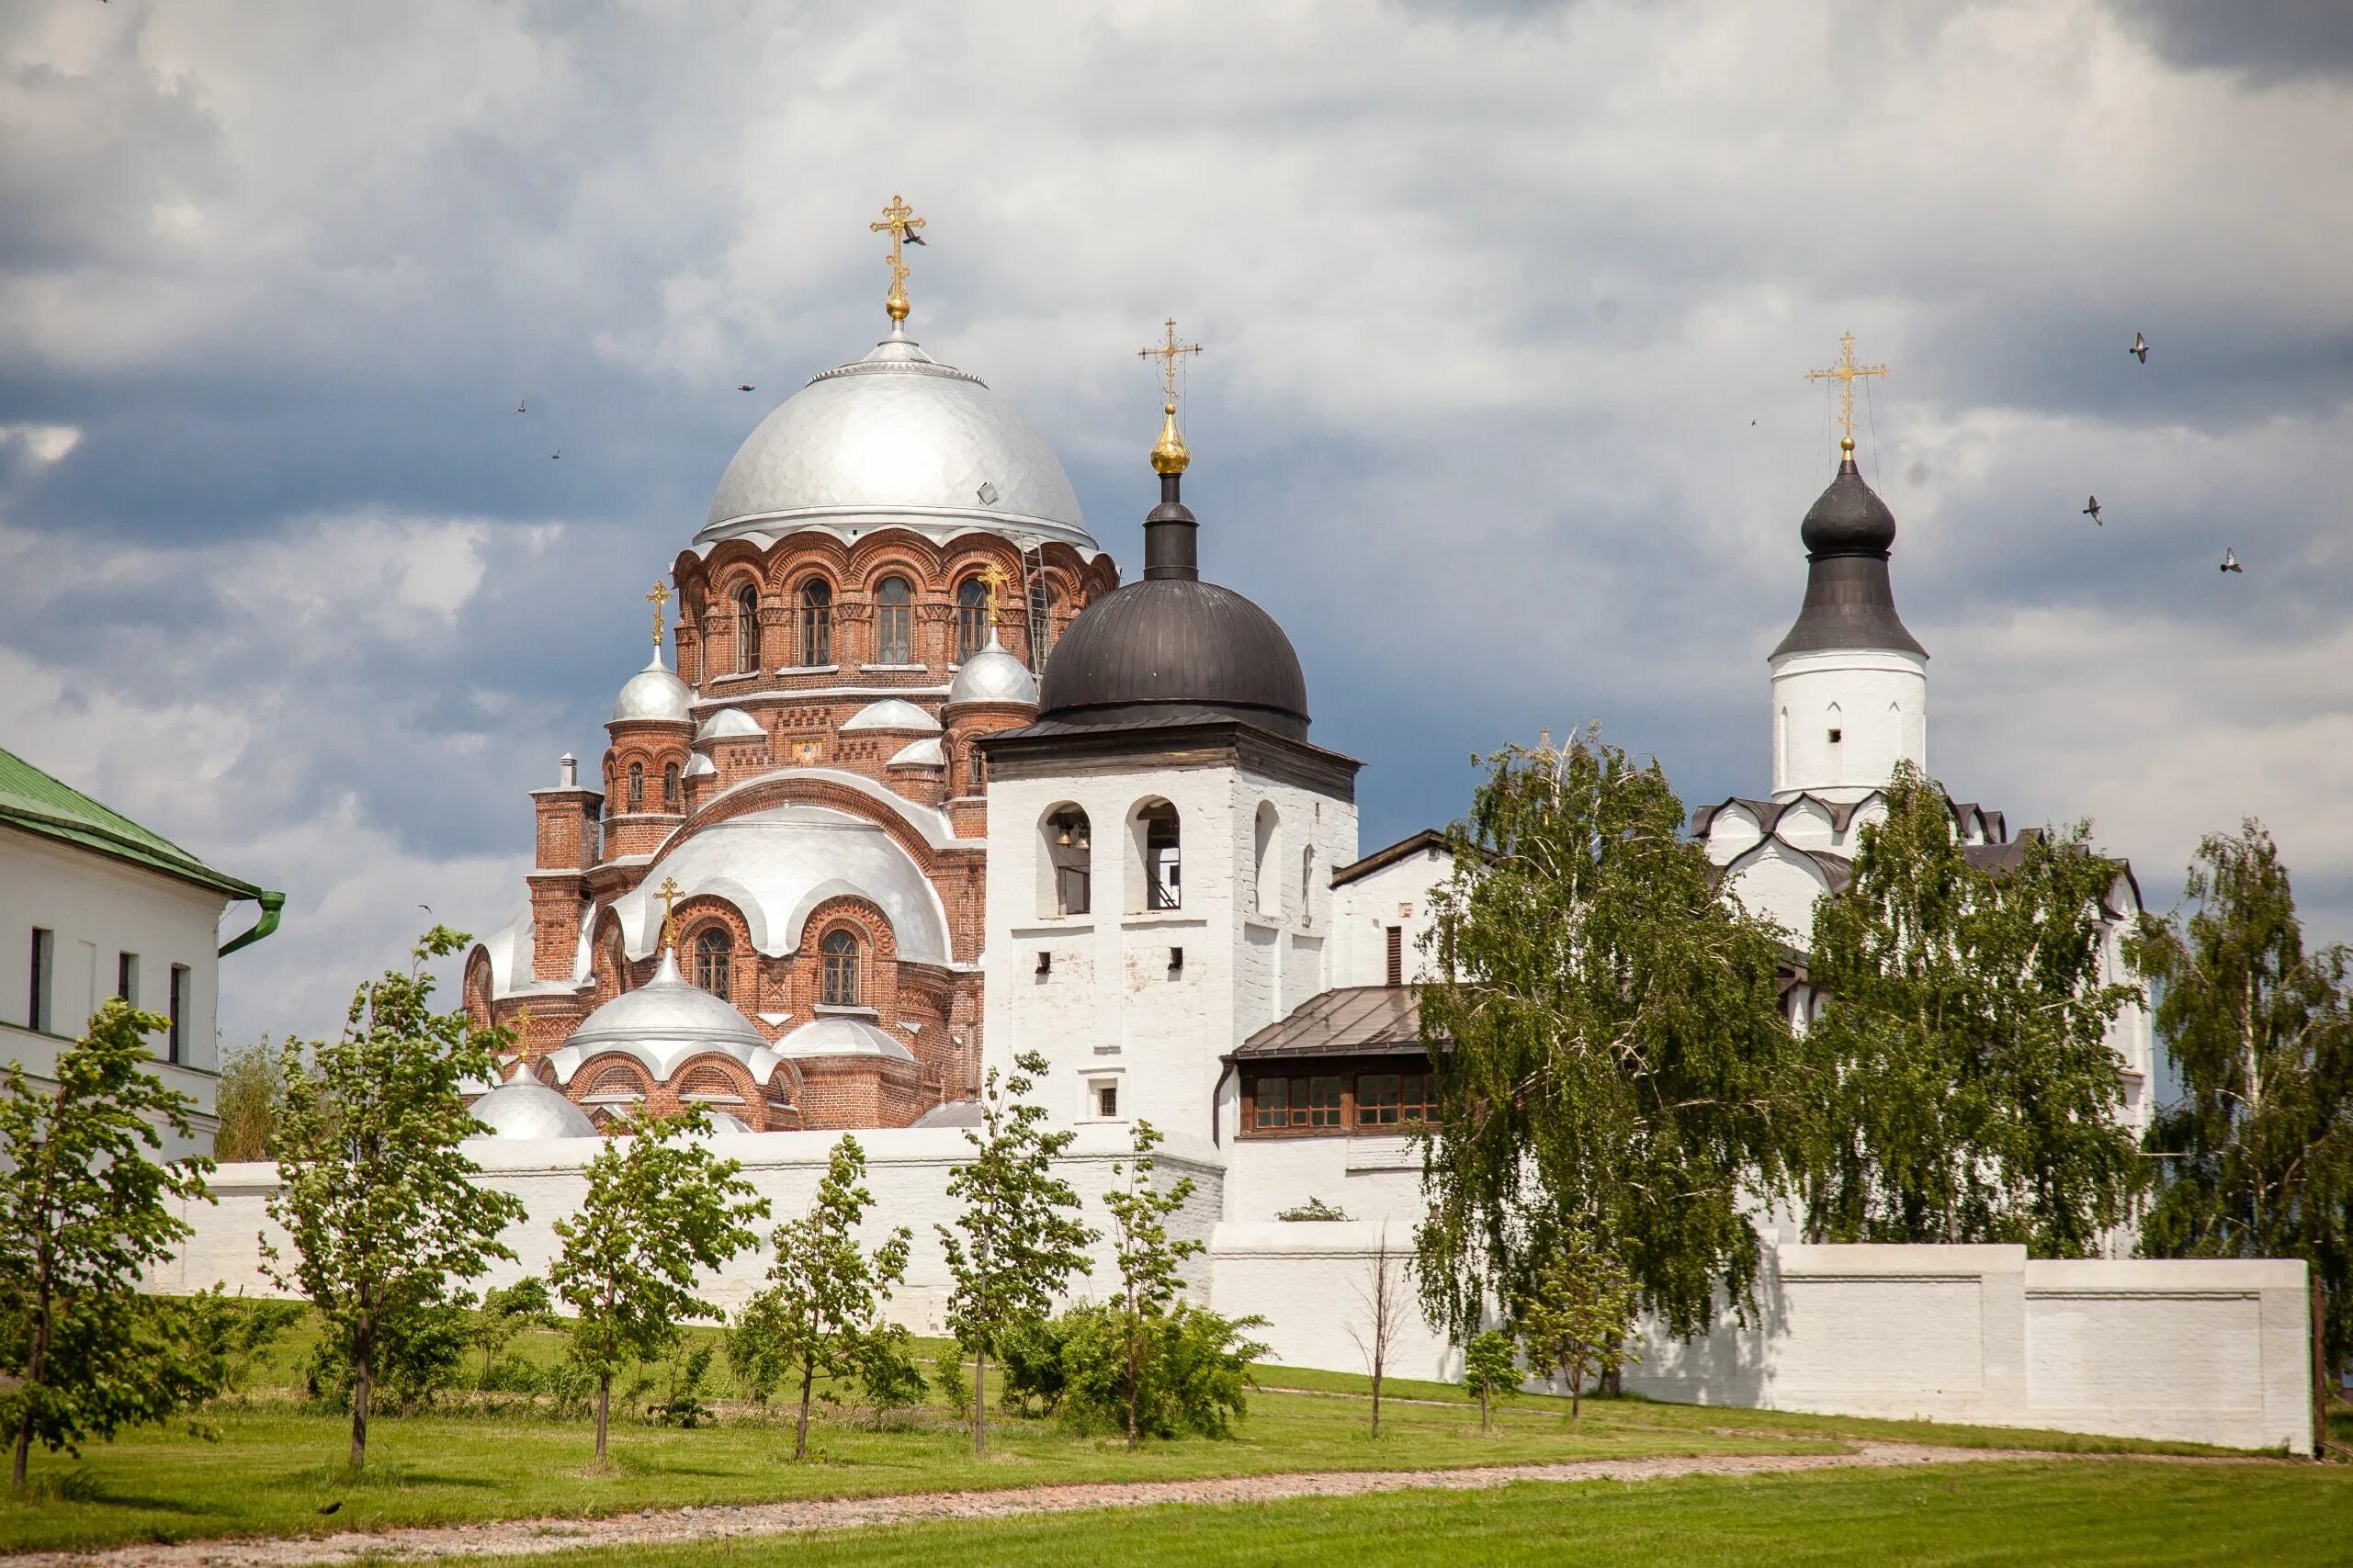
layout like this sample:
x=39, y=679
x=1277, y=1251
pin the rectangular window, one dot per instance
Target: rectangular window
x=126, y=977
x=44, y=976
x=1071, y=889
x=174, y=1037
x=1396, y=956
x=1297, y=1102
x=1392, y=1099
x=1107, y=1101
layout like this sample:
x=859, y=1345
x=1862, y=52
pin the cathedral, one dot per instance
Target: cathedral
x=930, y=783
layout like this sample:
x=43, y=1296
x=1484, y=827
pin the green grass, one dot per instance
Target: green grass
x=1983, y=1516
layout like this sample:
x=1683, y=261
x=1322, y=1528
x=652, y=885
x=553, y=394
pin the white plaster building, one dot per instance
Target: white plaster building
x=93, y=906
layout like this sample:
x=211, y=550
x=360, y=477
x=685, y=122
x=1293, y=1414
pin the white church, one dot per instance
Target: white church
x=930, y=785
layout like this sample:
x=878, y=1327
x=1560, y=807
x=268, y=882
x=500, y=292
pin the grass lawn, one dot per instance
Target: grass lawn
x=1983, y=1516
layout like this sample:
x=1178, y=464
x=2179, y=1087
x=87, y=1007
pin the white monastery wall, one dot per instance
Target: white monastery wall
x=1313, y=1282
x=1367, y=1178
x=1875, y=699
x=2196, y=1350
x=98, y=909
x=1395, y=895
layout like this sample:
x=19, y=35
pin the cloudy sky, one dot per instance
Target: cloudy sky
x=1503, y=414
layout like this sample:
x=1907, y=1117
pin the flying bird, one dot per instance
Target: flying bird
x=557, y=454
x=746, y=387
x=2230, y=562
x=2140, y=349
x=518, y=405
x=913, y=238
x=2091, y=509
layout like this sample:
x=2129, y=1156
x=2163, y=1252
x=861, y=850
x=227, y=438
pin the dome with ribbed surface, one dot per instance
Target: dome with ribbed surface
x=653, y=693
x=1847, y=519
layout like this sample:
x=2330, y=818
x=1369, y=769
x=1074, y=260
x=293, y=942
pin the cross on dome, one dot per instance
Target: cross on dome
x=898, y=220
x=669, y=893
x=659, y=599
x=1847, y=372
x=1168, y=454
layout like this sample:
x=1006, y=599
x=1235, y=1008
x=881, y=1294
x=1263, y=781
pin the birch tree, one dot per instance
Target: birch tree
x=386, y=1212
x=2255, y=1158
x=1018, y=1239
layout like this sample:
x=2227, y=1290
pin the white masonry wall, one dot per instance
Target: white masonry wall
x=1878, y=702
x=1362, y=911
x=2206, y=1351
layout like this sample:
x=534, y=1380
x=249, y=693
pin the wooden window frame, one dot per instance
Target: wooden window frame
x=837, y=971
x=894, y=624
x=816, y=610
x=1415, y=1107
x=715, y=956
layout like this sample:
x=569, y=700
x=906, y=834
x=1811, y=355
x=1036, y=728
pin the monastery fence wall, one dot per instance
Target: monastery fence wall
x=2197, y=1351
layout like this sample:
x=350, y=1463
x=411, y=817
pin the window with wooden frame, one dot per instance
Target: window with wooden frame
x=894, y=622
x=837, y=971
x=971, y=617
x=1279, y=1104
x=637, y=786
x=713, y=951
x=670, y=787
x=1342, y=1102
x=747, y=630
x=1395, y=1100
x=816, y=622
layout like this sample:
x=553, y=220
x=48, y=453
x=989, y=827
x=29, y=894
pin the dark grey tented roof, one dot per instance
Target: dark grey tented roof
x=1351, y=1021
x=1849, y=601
x=1175, y=641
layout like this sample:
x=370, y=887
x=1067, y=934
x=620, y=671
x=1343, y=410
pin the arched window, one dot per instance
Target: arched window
x=1068, y=862
x=817, y=622
x=838, y=975
x=711, y=952
x=746, y=628
x=637, y=786
x=1159, y=855
x=976, y=769
x=670, y=788
x=971, y=617
x=894, y=622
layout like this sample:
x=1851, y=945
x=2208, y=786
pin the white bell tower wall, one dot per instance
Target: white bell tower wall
x=1844, y=717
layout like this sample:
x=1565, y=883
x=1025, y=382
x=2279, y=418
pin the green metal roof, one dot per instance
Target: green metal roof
x=37, y=802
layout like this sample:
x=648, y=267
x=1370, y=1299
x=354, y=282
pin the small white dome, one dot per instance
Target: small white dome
x=699, y=764
x=842, y=1037
x=655, y=693
x=669, y=1010
x=925, y=753
x=950, y=1113
x=893, y=713
x=993, y=675
x=728, y=723
x=522, y=1106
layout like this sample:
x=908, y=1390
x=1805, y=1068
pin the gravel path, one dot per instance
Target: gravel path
x=525, y=1538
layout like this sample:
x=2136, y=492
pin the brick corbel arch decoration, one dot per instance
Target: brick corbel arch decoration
x=708, y=913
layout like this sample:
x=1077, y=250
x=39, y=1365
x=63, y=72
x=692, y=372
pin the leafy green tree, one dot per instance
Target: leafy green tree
x=246, y=1100
x=1970, y=1091
x=381, y=1201
x=239, y=1330
x=1577, y=1315
x=886, y=1371
x=506, y=1311
x=2255, y=1158
x=1619, y=1059
x=1490, y=1370
x=1198, y=1370
x=1150, y=1262
x=825, y=1293
x=85, y=1209
x=1021, y=1237
x=661, y=1210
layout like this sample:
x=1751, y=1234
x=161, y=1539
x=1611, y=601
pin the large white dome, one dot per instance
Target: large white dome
x=895, y=439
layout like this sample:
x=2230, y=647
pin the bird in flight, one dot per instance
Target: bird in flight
x=2091, y=509
x=2230, y=562
x=913, y=238
x=2140, y=349
x=746, y=387
x=557, y=454
x=518, y=405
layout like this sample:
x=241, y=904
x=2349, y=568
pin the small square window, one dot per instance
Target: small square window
x=1835, y=735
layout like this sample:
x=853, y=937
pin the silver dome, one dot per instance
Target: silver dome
x=898, y=439
x=700, y=764
x=892, y=713
x=775, y=866
x=950, y=1113
x=522, y=1106
x=665, y=1023
x=842, y=1037
x=993, y=675
x=655, y=693
x=729, y=722
x=925, y=753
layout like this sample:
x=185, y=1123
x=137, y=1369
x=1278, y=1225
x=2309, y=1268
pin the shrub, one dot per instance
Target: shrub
x=949, y=1381
x=1196, y=1377
x=883, y=1364
x=418, y=1355
x=1031, y=1354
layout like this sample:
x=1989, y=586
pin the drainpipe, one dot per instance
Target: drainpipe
x=271, y=903
x=1224, y=1072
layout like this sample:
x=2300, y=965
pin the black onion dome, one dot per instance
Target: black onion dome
x=1850, y=600
x=1170, y=646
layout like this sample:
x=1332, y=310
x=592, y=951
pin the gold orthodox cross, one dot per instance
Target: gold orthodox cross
x=900, y=221
x=669, y=893
x=995, y=580
x=1168, y=354
x=659, y=599
x=1847, y=372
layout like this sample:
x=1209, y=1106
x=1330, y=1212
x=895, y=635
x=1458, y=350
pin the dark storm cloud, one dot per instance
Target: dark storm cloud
x=2268, y=40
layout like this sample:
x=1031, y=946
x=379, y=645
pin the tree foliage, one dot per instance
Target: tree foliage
x=822, y=1310
x=1151, y=1264
x=1195, y=1370
x=2255, y=1158
x=246, y=1100
x=1971, y=1093
x=1018, y=1239
x=1619, y=1059
x=661, y=1211
x=85, y=1209
x=381, y=1203
x=1490, y=1370
x=1577, y=1315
